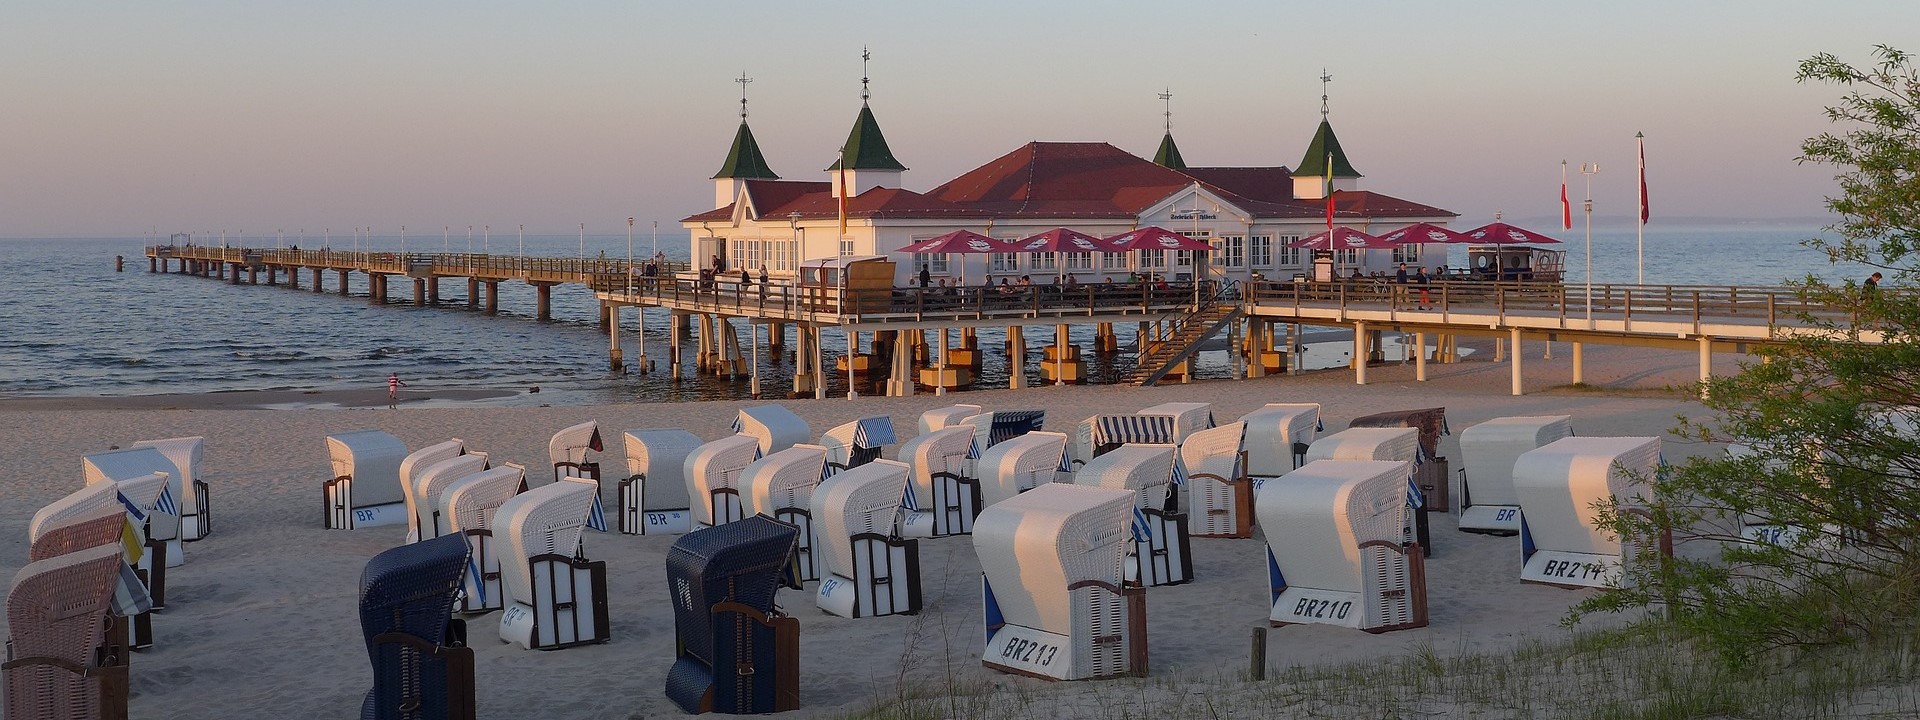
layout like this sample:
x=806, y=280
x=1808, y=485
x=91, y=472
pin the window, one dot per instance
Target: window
x=783, y=256
x=1113, y=261
x=1289, y=256
x=846, y=247
x=1078, y=261
x=1406, y=254
x=936, y=263
x=1233, y=250
x=1183, y=257
x=1040, y=261
x=1262, y=247
x=1347, y=257
x=1005, y=262
x=1153, y=258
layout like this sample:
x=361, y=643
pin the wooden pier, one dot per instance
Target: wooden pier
x=1263, y=322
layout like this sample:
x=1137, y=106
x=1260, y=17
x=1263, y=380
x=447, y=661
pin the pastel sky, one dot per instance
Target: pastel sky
x=118, y=118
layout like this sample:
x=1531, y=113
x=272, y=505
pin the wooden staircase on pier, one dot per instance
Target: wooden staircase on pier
x=1189, y=333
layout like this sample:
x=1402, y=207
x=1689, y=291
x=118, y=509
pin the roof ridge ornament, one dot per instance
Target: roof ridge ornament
x=1166, y=96
x=1324, y=79
x=743, y=80
x=865, y=55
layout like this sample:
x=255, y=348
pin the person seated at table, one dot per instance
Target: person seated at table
x=1005, y=288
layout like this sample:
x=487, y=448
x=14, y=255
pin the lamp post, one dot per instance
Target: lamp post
x=629, y=282
x=1589, y=171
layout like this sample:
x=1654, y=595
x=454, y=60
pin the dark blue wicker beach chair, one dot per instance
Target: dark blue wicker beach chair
x=738, y=653
x=422, y=669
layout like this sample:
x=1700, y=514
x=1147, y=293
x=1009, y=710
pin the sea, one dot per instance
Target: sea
x=72, y=326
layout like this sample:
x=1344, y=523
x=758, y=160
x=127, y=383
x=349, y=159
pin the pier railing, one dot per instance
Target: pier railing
x=783, y=299
x=481, y=265
x=1772, y=306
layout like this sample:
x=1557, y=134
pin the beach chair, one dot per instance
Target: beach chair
x=163, y=520
x=469, y=508
x=858, y=442
x=713, y=479
x=1101, y=433
x=1399, y=444
x=941, y=499
x=1277, y=438
x=738, y=653
x=196, y=515
x=134, y=499
x=781, y=486
x=774, y=427
x=1219, y=495
x=1487, y=454
x=568, y=451
x=1188, y=417
x=61, y=662
x=410, y=469
x=1161, y=553
x=995, y=427
x=869, y=570
x=1020, y=464
x=1334, y=550
x=945, y=417
x=1759, y=528
x=365, y=490
x=653, y=498
x=553, y=596
x=1561, y=487
x=422, y=667
x=430, y=483
x=1432, y=475
x=1057, y=604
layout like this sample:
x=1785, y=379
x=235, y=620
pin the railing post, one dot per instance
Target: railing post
x=1772, y=319
x=1696, y=311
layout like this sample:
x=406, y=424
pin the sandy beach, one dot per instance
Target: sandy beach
x=262, y=619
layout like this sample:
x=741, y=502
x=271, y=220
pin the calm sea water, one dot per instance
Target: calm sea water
x=73, y=327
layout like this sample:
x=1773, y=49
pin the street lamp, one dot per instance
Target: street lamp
x=1589, y=171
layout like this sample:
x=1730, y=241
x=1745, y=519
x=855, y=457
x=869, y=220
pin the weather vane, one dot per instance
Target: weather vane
x=1324, y=79
x=743, y=80
x=1167, y=97
x=864, y=57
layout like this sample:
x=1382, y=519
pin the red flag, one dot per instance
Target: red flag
x=1566, y=208
x=1643, y=178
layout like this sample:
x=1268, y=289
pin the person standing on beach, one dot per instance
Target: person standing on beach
x=393, y=390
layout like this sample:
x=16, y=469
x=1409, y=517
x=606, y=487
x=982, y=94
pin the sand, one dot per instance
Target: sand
x=262, y=617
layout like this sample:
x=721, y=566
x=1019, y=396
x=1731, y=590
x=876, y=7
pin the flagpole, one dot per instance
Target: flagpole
x=1640, y=229
x=1589, y=171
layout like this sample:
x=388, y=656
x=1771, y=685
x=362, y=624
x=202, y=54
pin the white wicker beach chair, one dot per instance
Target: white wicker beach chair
x=653, y=497
x=135, y=497
x=365, y=490
x=431, y=482
x=941, y=499
x=1162, y=553
x=713, y=479
x=945, y=417
x=469, y=507
x=102, y=526
x=858, y=442
x=774, y=427
x=1277, y=438
x=1400, y=444
x=410, y=469
x=781, y=486
x=162, y=526
x=554, y=596
x=868, y=570
x=1020, y=464
x=1334, y=552
x=189, y=488
x=568, y=450
x=1219, y=495
x=1560, y=487
x=1487, y=454
x=61, y=660
x=1188, y=417
x=1057, y=603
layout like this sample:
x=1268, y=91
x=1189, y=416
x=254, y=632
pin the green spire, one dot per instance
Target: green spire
x=1324, y=144
x=1169, y=154
x=744, y=161
x=866, y=148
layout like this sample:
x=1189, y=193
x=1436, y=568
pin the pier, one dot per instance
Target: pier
x=927, y=337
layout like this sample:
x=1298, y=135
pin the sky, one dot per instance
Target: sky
x=192, y=116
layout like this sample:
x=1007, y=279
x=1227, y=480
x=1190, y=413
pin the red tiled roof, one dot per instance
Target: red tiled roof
x=1068, y=180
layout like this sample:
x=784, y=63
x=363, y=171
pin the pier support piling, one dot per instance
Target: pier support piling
x=473, y=293
x=1579, y=365
x=674, y=322
x=345, y=286
x=543, y=302
x=1516, y=354
x=1017, y=361
x=433, y=290
x=614, y=362
x=1706, y=364
x=1420, y=356
x=419, y=291
x=153, y=265
x=1360, y=353
x=753, y=370
x=640, y=337
x=493, y=297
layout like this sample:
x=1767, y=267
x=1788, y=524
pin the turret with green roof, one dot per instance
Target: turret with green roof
x=866, y=147
x=1324, y=145
x=1169, y=154
x=744, y=161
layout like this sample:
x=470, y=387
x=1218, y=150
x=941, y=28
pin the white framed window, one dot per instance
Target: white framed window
x=1347, y=257
x=784, y=252
x=1261, y=249
x=935, y=263
x=1077, y=261
x=1233, y=250
x=1153, y=258
x=1040, y=261
x=1113, y=261
x=1289, y=255
x=1406, y=254
x=1004, y=262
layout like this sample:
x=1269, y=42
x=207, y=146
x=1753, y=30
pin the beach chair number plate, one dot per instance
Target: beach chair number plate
x=670, y=521
x=1325, y=607
x=1491, y=517
x=1569, y=568
x=1029, y=650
